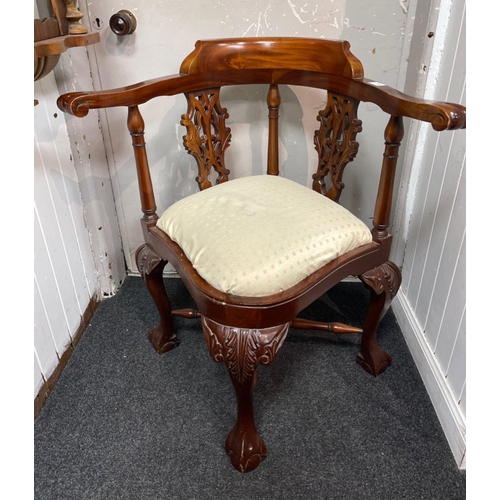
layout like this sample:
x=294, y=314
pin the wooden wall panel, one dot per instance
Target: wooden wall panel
x=432, y=300
x=448, y=289
x=37, y=372
x=51, y=321
x=90, y=169
x=450, y=349
x=64, y=272
x=46, y=350
x=462, y=397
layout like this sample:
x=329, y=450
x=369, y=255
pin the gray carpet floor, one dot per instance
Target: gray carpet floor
x=126, y=423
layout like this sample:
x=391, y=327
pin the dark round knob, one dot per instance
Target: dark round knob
x=123, y=23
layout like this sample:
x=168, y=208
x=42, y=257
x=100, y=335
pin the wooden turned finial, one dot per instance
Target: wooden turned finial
x=73, y=15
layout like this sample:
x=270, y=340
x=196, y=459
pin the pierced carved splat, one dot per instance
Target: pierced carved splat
x=335, y=142
x=207, y=136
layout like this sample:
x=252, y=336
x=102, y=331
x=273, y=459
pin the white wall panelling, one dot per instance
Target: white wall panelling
x=92, y=172
x=431, y=233
x=65, y=277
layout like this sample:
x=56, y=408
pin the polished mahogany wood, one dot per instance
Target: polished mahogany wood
x=273, y=103
x=334, y=327
x=335, y=142
x=442, y=115
x=186, y=313
x=151, y=268
x=207, y=136
x=241, y=350
x=383, y=283
x=382, y=216
x=303, y=54
x=243, y=332
x=135, y=124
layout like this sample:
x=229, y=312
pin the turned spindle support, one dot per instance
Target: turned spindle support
x=381, y=219
x=273, y=103
x=337, y=328
x=135, y=124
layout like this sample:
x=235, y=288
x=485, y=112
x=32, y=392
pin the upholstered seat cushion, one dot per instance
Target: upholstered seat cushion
x=260, y=235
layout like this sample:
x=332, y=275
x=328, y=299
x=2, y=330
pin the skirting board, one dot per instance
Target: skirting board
x=449, y=415
x=50, y=383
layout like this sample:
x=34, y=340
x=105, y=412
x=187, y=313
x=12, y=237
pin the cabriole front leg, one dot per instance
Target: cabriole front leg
x=151, y=268
x=245, y=447
x=383, y=283
x=242, y=350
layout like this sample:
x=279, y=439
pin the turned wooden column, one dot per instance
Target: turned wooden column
x=135, y=124
x=273, y=103
x=393, y=136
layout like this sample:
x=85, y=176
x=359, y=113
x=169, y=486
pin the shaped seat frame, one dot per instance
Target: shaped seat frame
x=243, y=332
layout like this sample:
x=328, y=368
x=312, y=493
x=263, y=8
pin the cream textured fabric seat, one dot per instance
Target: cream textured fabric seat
x=260, y=235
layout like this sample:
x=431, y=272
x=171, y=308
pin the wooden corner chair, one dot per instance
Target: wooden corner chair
x=255, y=251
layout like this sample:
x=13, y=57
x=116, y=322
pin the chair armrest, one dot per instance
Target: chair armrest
x=441, y=115
x=79, y=103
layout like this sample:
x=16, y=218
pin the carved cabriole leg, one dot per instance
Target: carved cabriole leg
x=383, y=283
x=242, y=350
x=151, y=268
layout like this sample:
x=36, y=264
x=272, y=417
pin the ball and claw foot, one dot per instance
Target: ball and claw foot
x=161, y=342
x=245, y=448
x=374, y=362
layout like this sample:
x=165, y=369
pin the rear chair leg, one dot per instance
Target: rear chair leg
x=242, y=350
x=383, y=283
x=151, y=268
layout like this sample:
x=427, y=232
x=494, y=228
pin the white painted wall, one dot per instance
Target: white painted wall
x=77, y=247
x=65, y=277
x=91, y=165
x=430, y=230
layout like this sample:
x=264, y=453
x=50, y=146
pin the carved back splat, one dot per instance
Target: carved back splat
x=335, y=142
x=207, y=135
